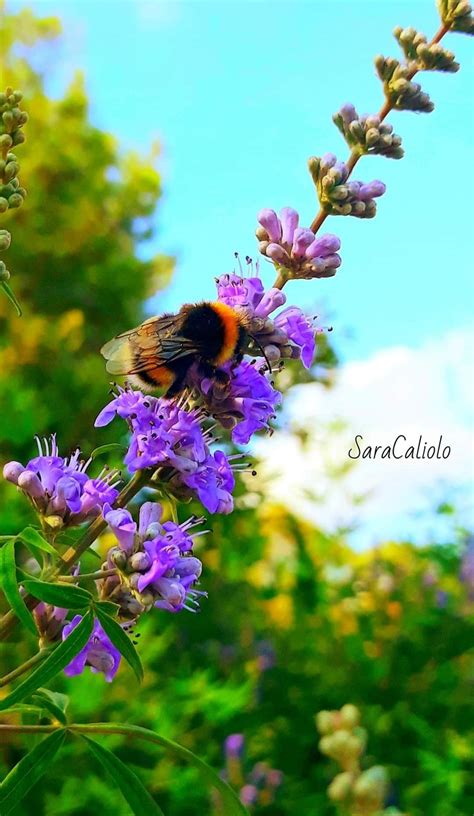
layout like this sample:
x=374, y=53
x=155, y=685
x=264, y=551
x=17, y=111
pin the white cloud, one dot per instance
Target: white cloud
x=425, y=392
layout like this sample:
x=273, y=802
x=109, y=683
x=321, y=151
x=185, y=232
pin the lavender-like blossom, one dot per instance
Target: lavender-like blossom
x=246, y=402
x=260, y=785
x=296, y=248
x=289, y=334
x=168, y=436
x=155, y=565
x=99, y=652
x=368, y=134
x=59, y=488
x=339, y=196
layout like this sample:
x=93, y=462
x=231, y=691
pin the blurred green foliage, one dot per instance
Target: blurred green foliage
x=73, y=256
x=295, y=621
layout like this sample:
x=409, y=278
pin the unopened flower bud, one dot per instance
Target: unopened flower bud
x=139, y=561
x=340, y=787
x=12, y=470
x=3, y=204
x=15, y=200
x=5, y=141
x=11, y=170
x=4, y=273
x=270, y=222
x=350, y=716
x=147, y=599
x=325, y=722
x=31, y=484
x=118, y=557
x=5, y=240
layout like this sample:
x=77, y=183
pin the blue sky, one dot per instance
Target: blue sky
x=239, y=95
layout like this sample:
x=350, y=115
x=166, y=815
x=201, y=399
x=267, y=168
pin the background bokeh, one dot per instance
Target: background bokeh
x=333, y=582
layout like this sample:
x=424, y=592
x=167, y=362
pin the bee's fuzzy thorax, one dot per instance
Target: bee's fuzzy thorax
x=231, y=326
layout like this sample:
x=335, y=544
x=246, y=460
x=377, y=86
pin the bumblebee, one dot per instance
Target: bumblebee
x=160, y=352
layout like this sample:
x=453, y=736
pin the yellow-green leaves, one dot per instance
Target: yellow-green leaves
x=134, y=793
x=9, y=586
x=57, y=660
x=121, y=641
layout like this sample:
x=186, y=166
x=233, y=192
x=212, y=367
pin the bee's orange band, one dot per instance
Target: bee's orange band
x=231, y=323
x=161, y=376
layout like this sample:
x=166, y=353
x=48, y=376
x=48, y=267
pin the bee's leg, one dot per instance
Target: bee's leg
x=217, y=374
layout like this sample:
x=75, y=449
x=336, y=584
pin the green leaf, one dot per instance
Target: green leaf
x=25, y=708
x=121, y=641
x=31, y=536
x=62, y=655
x=11, y=297
x=107, y=606
x=28, y=771
x=63, y=595
x=126, y=780
x=232, y=804
x=9, y=585
x=54, y=703
x=106, y=448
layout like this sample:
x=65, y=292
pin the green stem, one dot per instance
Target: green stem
x=28, y=729
x=139, y=480
x=28, y=664
x=354, y=157
x=93, y=576
x=383, y=113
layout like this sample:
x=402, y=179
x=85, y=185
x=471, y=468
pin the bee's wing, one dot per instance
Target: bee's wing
x=155, y=342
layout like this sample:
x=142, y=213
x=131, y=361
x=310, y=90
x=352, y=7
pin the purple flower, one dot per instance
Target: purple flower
x=213, y=481
x=299, y=330
x=246, y=403
x=236, y=291
x=296, y=248
x=60, y=487
x=159, y=568
x=337, y=194
x=248, y=795
x=125, y=404
x=165, y=435
x=122, y=525
x=288, y=334
x=234, y=745
x=99, y=652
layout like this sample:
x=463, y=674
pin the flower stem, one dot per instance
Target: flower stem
x=28, y=729
x=139, y=480
x=383, y=113
x=94, y=576
x=28, y=664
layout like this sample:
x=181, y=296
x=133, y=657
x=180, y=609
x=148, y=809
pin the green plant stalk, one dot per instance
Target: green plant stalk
x=133, y=732
x=139, y=480
x=355, y=155
x=28, y=664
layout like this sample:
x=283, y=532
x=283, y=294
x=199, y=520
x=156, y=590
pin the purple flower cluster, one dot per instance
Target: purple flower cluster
x=261, y=783
x=288, y=334
x=338, y=195
x=154, y=561
x=296, y=248
x=59, y=488
x=165, y=435
x=246, y=402
x=99, y=652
